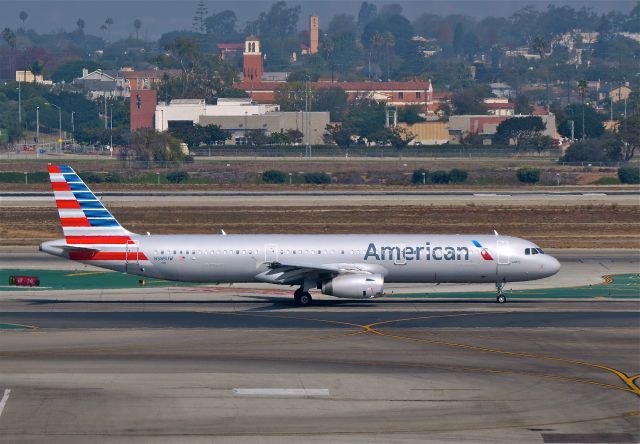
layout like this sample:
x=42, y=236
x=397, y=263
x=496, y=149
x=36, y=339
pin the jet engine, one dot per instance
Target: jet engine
x=356, y=286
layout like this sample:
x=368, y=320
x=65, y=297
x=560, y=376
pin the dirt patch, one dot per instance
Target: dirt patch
x=552, y=226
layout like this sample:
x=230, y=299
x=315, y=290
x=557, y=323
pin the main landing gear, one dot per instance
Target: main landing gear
x=501, y=298
x=303, y=298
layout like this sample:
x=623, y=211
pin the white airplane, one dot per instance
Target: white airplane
x=344, y=266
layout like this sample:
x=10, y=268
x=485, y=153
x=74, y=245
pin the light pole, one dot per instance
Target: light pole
x=59, y=125
x=290, y=178
x=26, y=180
x=424, y=178
x=158, y=177
x=37, y=127
x=111, y=132
x=19, y=105
x=73, y=129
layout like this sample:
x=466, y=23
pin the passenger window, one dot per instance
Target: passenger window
x=294, y=251
x=320, y=252
x=527, y=251
x=237, y=251
x=162, y=252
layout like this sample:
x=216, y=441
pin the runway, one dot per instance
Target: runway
x=560, y=197
x=344, y=371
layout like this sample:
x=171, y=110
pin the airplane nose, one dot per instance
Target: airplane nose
x=553, y=265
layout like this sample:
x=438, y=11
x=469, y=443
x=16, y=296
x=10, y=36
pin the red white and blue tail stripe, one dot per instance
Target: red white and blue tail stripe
x=85, y=221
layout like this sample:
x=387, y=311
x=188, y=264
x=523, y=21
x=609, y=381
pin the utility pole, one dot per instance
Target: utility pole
x=73, y=129
x=37, y=127
x=111, y=133
x=19, y=105
x=105, y=110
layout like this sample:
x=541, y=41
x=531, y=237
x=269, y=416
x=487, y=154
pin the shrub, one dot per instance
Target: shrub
x=629, y=174
x=177, y=176
x=417, y=178
x=18, y=177
x=274, y=176
x=458, y=176
x=440, y=177
x=528, y=175
x=317, y=178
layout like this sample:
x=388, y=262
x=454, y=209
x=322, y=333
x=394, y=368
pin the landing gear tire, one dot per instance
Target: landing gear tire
x=303, y=299
x=501, y=299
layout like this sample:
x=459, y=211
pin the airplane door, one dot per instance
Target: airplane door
x=130, y=254
x=503, y=252
x=271, y=253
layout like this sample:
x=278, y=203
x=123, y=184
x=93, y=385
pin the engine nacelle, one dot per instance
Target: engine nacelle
x=356, y=286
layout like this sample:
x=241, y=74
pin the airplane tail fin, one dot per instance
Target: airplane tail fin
x=83, y=217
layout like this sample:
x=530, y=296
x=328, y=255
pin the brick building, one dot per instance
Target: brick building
x=142, y=107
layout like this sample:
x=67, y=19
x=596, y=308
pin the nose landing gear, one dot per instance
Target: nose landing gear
x=501, y=298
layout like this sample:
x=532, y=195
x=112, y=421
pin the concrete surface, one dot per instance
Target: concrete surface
x=400, y=372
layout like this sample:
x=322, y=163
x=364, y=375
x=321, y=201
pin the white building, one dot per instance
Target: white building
x=191, y=110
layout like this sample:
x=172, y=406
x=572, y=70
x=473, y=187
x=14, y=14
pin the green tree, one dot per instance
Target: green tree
x=332, y=99
x=606, y=149
x=522, y=104
x=439, y=177
x=586, y=120
x=629, y=136
x=582, y=90
x=317, y=178
x=420, y=177
x=339, y=134
x=137, y=24
x=222, y=27
x=458, y=176
x=517, y=129
x=629, y=174
x=150, y=145
x=23, y=17
x=177, y=176
x=274, y=176
x=528, y=175
x=469, y=101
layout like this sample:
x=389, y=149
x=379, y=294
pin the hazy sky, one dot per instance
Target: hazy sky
x=159, y=16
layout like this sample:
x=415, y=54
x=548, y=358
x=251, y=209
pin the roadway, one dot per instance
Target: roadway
x=540, y=371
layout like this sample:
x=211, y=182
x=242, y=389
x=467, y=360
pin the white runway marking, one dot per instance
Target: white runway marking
x=491, y=195
x=4, y=400
x=280, y=392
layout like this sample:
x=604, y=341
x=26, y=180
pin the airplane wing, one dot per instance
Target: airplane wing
x=290, y=273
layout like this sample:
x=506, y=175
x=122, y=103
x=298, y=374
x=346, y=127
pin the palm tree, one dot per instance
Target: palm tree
x=540, y=46
x=81, y=24
x=10, y=37
x=137, y=24
x=109, y=23
x=582, y=90
x=103, y=28
x=384, y=42
x=23, y=17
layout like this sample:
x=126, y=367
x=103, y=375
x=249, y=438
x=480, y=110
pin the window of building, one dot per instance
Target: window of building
x=418, y=95
x=400, y=95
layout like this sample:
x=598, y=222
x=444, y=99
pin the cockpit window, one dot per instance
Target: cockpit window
x=527, y=251
x=540, y=250
x=534, y=251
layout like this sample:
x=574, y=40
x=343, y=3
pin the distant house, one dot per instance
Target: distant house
x=499, y=107
x=29, y=77
x=613, y=93
x=486, y=126
x=500, y=89
x=428, y=133
x=101, y=83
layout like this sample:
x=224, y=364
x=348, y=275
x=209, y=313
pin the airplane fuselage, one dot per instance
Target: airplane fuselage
x=399, y=258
